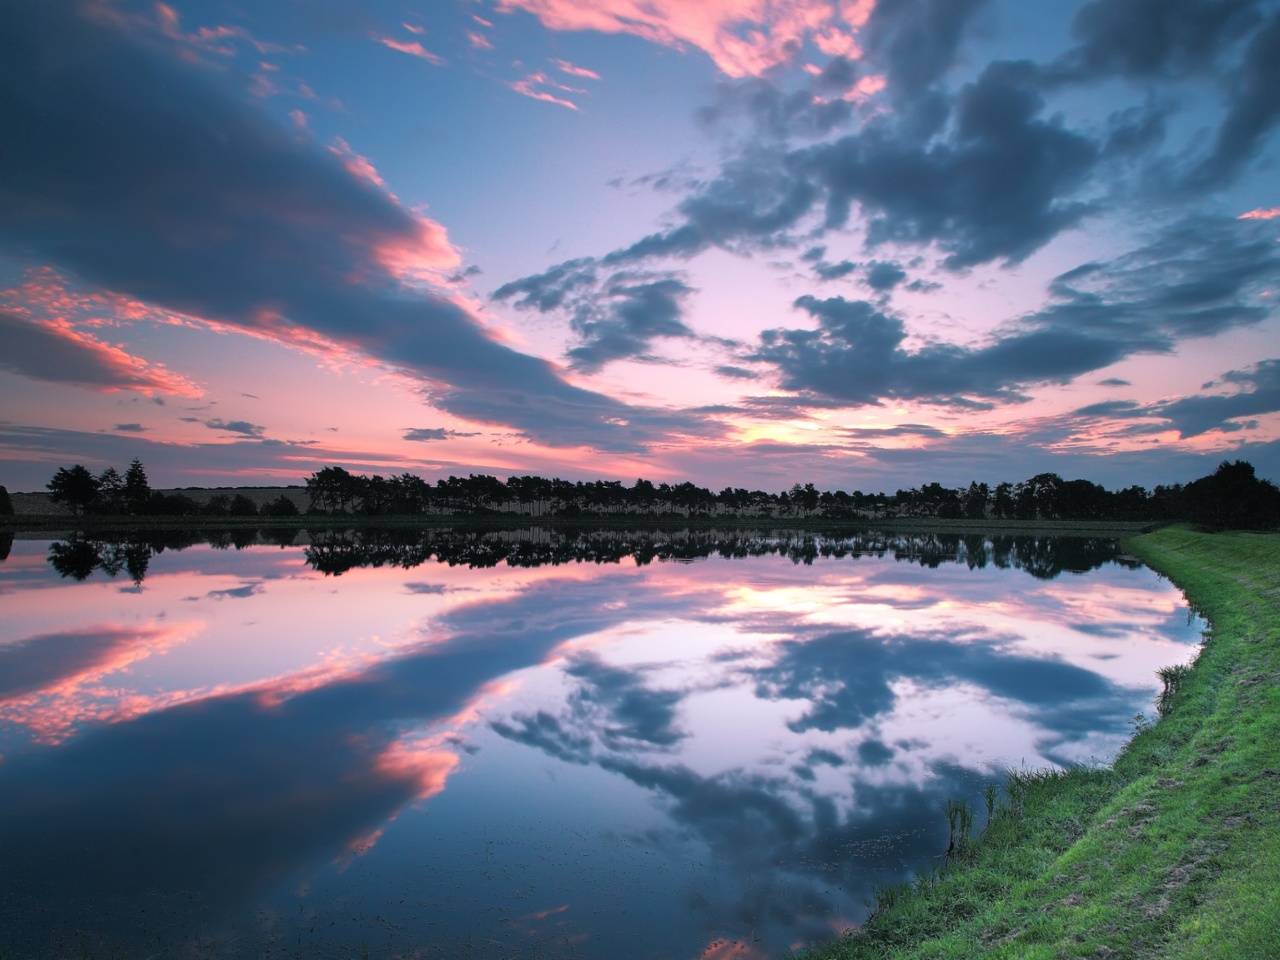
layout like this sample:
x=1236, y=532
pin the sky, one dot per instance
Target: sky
x=862, y=243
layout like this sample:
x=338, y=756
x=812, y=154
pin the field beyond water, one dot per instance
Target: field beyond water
x=1172, y=853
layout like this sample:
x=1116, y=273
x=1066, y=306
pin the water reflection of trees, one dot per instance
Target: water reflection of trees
x=79, y=556
x=335, y=551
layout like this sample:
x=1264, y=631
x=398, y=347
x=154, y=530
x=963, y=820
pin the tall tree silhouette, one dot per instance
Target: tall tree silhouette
x=137, y=491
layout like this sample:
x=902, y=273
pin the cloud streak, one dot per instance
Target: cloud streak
x=742, y=37
x=57, y=353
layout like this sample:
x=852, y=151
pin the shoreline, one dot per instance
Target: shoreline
x=1174, y=850
x=22, y=526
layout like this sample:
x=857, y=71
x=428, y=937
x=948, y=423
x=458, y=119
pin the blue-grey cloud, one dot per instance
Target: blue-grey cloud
x=254, y=223
x=426, y=433
x=236, y=593
x=130, y=428
x=1142, y=39
x=915, y=43
x=32, y=663
x=814, y=109
x=242, y=427
x=626, y=710
x=1109, y=408
x=1197, y=279
x=998, y=189
x=846, y=678
x=1167, y=40
x=617, y=317
x=901, y=430
x=884, y=275
x=549, y=290
x=834, y=271
x=1257, y=394
x=757, y=197
x=544, y=732
x=630, y=312
x=60, y=356
x=874, y=753
x=1253, y=110
x=429, y=434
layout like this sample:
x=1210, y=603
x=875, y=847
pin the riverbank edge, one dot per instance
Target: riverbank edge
x=1174, y=850
x=42, y=523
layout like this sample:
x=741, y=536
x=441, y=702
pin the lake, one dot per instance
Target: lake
x=531, y=743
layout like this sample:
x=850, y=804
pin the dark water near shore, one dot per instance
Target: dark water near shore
x=527, y=744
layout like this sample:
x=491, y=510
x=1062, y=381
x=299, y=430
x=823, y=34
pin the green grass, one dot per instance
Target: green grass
x=1174, y=852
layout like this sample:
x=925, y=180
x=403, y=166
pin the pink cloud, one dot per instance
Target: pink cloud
x=1261, y=214
x=529, y=87
x=413, y=48
x=424, y=765
x=215, y=39
x=564, y=66
x=479, y=41
x=742, y=37
x=357, y=165
x=54, y=351
x=422, y=257
x=53, y=682
x=419, y=255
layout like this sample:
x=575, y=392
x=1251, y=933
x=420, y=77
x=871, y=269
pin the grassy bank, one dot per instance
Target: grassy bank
x=1173, y=853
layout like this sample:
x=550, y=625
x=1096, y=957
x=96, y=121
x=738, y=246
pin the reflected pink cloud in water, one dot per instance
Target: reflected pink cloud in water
x=793, y=718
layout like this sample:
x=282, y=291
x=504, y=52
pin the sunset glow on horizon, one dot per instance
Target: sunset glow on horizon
x=860, y=243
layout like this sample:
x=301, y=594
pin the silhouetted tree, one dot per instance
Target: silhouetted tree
x=1002, y=504
x=1232, y=496
x=6, y=505
x=242, y=506
x=219, y=505
x=1038, y=497
x=137, y=491
x=110, y=497
x=331, y=488
x=975, y=501
x=1131, y=503
x=76, y=487
x=281, y=506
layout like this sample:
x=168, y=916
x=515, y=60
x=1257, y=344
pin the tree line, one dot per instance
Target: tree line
x=1232, y=496
x=111, y=494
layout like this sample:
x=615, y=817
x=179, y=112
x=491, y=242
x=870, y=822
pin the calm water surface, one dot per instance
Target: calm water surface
x=614, y=746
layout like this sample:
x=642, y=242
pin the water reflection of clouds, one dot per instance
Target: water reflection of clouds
x=225, y=793
x=52, y=683
x=916, y=716
x=802, y=725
